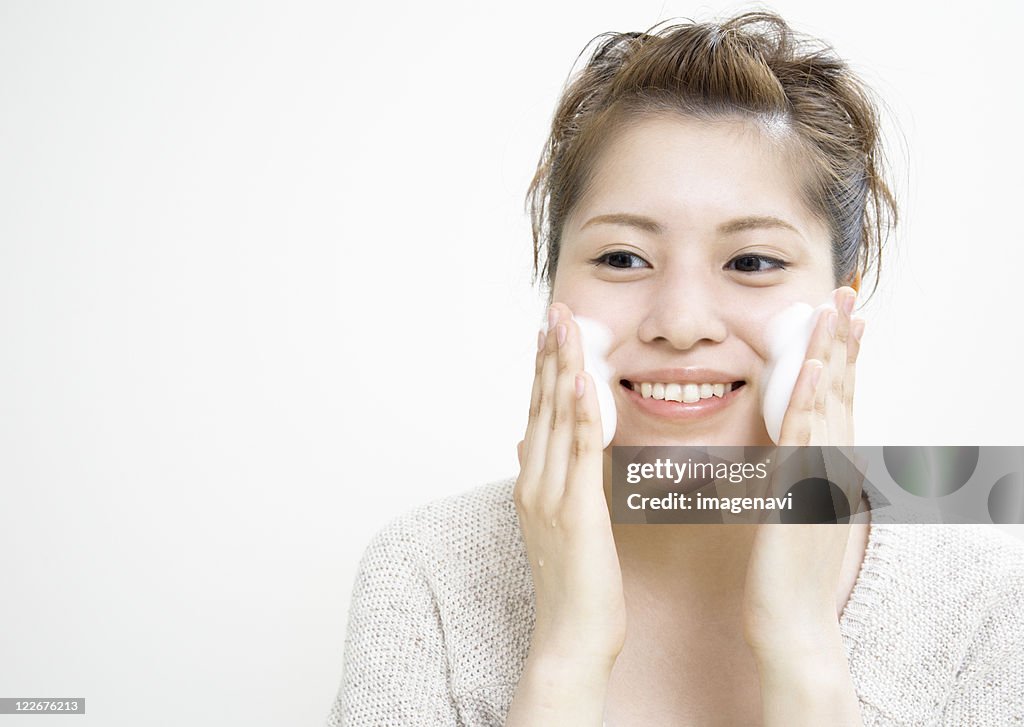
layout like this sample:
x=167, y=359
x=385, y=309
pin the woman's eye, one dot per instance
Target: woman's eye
x=756, y=264
x=620, y=259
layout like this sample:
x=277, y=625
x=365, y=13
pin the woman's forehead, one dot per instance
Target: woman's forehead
x=689, y=174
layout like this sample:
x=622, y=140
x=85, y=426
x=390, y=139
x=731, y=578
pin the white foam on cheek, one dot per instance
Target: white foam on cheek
x=789, y=333
x=595, y=339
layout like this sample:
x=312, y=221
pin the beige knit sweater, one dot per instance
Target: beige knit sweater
x=442, y=613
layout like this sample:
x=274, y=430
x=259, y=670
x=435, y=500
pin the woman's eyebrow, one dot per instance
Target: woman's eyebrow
x=647, y=224
x=624, y=218
x=752, y=222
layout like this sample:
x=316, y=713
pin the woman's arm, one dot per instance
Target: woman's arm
x=989, y=686
x=806, y=693
x=991, y=696
x=395, y=668
x=560, y=691
x=805, y=677
x=790, y=618
x=563, y=514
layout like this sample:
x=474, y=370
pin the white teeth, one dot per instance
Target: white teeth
x=684, y=393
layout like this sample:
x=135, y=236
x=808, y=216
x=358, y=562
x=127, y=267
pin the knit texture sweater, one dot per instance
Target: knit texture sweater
x=443, y=610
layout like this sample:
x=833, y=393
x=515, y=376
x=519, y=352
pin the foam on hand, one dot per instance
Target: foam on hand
x=789, y=333
x=595, y=339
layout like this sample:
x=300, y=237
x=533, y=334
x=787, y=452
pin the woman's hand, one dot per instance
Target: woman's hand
x=559, y=496
x=820, y=411
x=791, y=617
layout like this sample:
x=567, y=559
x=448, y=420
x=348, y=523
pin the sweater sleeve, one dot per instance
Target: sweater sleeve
x=989, y=689
x=395, y=670
x=990, y=695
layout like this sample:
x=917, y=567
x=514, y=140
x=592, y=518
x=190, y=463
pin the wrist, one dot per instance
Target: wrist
x=808, y=689
x=576, y=645
x=586, y=671
x=803, y=670
x=558, y=689
x=809, y=635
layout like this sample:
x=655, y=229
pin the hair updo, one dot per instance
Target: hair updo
x=754, y=67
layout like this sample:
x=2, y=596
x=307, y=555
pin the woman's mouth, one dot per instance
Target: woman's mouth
x=677, y=400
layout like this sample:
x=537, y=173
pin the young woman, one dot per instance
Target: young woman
x=697, y=180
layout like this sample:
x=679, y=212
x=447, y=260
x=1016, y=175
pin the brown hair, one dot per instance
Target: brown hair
x=752, y=66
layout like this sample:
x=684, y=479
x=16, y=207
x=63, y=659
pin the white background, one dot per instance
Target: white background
x=264, y=284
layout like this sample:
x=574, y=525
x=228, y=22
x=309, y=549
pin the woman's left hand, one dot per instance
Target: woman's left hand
x=791, y=599
x=820, y=410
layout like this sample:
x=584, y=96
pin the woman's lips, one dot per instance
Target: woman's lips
x=680, y=411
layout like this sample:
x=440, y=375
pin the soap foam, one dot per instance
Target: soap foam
x=789, y=334
x=595, y=339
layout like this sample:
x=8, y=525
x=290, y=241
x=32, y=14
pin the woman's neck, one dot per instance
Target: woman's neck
x=705, y=565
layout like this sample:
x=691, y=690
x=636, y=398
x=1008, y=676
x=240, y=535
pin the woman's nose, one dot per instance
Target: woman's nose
x=685, y=311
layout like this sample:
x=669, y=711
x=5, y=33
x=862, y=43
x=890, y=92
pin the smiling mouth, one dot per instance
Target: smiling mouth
x=683, y=393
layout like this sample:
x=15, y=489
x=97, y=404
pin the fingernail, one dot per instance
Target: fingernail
x=552, y=317
x=560, y=334
x=832, y=317
x=540, y=340
x=816, y=375
x=580, y=385
x=858, y=329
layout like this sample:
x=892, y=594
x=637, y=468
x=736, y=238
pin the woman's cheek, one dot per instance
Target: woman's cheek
x=755, y=323
x=762, y=316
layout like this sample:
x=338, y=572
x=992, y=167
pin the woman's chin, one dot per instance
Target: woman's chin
x=752, y=437
x=655, y=440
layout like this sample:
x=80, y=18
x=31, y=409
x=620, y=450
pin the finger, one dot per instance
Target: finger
x=861, y=462
x=538, y=362
x=526, y=482
x=538, y=368
x=569, y=358
x=845, y=470
x=821, y=349
x=799, y=424
x=820, y=422
x=541, y=410
x=519, y=452
x=586, y=465
x=849, y=386
x=844, y=300
x=820, y=346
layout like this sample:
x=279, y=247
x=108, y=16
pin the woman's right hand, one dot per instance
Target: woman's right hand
x=563, y=514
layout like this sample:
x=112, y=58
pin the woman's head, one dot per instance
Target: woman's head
x=696, y=183
x=754, y=68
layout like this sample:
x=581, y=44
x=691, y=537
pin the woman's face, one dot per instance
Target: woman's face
x=724, y=243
